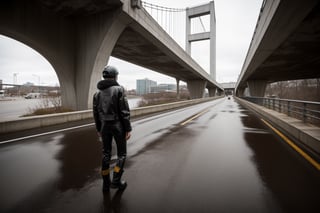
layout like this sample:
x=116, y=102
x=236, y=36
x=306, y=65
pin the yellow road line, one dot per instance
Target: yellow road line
x=194, y=117
x=295, y=147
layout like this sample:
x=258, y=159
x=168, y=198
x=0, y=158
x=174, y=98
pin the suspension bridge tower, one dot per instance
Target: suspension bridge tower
x=197, y=12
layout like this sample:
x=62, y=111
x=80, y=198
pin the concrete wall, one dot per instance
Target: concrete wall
x=48, y=120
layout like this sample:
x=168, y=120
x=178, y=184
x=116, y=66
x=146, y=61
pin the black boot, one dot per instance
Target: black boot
x=106, y=181
x=116, y=181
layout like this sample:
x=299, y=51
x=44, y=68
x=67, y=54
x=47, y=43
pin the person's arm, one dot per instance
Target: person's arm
x=128, y=135
x=125, y=112
x=96, y=112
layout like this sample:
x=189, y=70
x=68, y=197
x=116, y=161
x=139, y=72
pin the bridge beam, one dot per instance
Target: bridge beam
x=196, y=88
x=257, y=88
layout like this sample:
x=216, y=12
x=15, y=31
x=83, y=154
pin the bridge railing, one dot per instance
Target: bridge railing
x=307, y=111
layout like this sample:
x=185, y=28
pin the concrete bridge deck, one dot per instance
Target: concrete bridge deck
x=211, y=157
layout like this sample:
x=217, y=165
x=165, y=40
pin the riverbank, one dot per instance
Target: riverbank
x=14, y=107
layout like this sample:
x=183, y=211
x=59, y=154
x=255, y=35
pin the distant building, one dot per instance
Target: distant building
x=164, y=88
x=144, y=86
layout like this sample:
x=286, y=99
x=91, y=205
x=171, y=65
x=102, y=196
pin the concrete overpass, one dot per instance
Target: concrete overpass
x=229, y=87
x=285, y=45
x=78, y=37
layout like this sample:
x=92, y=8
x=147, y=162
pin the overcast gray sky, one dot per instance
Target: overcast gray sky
x=235, y=23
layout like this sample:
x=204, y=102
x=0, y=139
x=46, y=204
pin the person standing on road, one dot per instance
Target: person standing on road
x=112, y=119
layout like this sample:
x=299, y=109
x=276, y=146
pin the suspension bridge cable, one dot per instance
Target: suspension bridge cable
x=204, y=29
x=170, y=19
x=157, y=7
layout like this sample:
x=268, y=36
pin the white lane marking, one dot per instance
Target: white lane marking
x=46, y=133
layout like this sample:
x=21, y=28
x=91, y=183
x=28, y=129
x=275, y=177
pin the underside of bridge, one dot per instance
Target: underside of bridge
x=147, y=52
x=289, y=48
x=298, y=56
x=80, y=8
x=134, y=48
x=78, y=37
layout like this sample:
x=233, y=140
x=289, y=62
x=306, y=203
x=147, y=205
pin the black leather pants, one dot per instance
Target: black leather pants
x=109, y=131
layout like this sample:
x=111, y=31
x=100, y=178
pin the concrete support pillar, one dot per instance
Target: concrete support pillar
x=196, y=88
x=212, y=41
x=178, y=88
x=198, y=11
x=257, y=88
x=212, y=91
x=77, y=47
x=188, y=32
x=240, y=92
x=94, y=42
x=99, y=45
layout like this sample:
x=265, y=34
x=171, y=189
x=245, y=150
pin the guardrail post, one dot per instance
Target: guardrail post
x=269, y=105
x=304, y=112
x=280, y=106
x=273, y=104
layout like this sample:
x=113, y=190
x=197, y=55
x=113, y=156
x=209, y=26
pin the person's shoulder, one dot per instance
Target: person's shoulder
x=120, y=90
x=96, y=94
x=119, y=87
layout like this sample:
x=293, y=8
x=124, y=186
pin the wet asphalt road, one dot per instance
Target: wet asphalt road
x=222, y=160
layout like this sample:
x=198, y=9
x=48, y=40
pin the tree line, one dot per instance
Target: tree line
x=306, y=89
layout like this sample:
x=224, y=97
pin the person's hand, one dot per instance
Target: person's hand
x=99, y=136
x=128, y=135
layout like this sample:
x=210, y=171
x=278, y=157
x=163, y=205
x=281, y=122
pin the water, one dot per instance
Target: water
x=133, y=102
x=13, y=108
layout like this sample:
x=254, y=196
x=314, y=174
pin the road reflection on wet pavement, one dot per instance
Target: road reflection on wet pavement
x=224, y=160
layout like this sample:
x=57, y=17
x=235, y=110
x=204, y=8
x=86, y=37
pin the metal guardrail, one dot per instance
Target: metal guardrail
x=307, y=111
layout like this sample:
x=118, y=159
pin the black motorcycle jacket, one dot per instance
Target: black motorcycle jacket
x=110, y=104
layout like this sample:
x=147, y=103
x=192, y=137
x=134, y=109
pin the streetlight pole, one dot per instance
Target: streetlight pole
x=15, y=78
x=15, y=82
x=38, y=81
